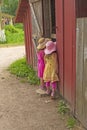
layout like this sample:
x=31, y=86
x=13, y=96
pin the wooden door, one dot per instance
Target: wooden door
x=36, y=14
x=65, y=31
x=37, y=26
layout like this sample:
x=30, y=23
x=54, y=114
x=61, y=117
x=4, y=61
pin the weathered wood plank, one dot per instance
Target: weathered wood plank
x=36, y=13
x=81, y=73
x=85, y=74
x=79, y=69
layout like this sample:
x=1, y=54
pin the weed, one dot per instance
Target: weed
x=62, y=107
x=71, y=123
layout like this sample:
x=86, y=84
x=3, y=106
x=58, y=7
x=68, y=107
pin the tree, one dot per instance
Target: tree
x=9, y=6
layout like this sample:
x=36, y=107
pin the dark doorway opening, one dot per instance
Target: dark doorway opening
x=53, y=23
x=53, y=20
x=49, y=24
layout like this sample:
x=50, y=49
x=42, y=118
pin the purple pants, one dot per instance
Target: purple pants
x=53, y=84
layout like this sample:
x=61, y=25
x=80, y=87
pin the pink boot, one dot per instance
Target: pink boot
x=43, y=87
x=53, y=93
x=48, y=91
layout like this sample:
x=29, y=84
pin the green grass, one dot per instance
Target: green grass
x=71, y=123
x=67, y=116
x=18, y=25
x=62, y=107
x=21, y=69
x=14, y=35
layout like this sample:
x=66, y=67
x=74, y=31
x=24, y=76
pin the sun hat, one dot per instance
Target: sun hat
x=50, y=47
x=41, y=40
x=41, y=43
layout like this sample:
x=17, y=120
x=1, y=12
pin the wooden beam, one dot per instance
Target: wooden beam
x=33, y=1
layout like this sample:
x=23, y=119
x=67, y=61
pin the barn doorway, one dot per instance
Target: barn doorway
x=53, y=21
x=49, y=22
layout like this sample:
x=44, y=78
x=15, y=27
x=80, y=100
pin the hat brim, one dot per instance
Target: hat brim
x=46, y=51
x=41, y=46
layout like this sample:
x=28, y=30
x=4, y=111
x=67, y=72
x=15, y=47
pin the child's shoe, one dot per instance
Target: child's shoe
x=43, y=87
x=48, y=92
x=53, y=94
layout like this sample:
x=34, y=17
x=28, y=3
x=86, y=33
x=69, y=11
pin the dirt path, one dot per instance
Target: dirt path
x=20, y=107
x=8, y=55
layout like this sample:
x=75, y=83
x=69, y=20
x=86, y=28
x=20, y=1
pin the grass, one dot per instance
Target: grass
x=71, y=122
x=10, y=44
x=64, y=109
x=21, y=69
x=14, y=35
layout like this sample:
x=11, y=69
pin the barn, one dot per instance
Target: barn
x=64, y=21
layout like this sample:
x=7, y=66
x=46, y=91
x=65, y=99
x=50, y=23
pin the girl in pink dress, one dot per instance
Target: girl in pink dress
x=40, y=60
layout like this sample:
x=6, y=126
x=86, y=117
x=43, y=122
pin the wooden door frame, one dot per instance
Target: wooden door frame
x=60, y=41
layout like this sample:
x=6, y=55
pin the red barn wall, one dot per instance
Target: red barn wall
x=65, y=30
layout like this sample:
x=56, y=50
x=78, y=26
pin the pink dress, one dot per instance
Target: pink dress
x=40, y=63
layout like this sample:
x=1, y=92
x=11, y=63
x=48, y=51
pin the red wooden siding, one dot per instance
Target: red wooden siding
x=65, y=30
x=59, y=38
x=23, y=4
x=24, y=16
x=69, y=49
x=28, y=36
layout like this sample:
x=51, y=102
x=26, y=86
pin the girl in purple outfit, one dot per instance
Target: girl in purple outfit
x=40, y=60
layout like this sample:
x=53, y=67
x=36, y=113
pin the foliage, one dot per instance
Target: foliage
x=21, y=69
x=71, y=122
x=62, y=107
x=18, y=25
x=14, y=34
x=11, y=29
x=15, y=37
x=9, y=6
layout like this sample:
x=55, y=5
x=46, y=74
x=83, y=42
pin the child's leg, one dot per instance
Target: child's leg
x=54, y=86
x=41, y=83
x=48, y=88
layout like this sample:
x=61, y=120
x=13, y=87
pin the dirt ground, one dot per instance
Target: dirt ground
x=20, y=106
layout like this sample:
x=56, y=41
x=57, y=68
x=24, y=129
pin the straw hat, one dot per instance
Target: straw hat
x=41, y=43
x=41, y=40
x=50, y=47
